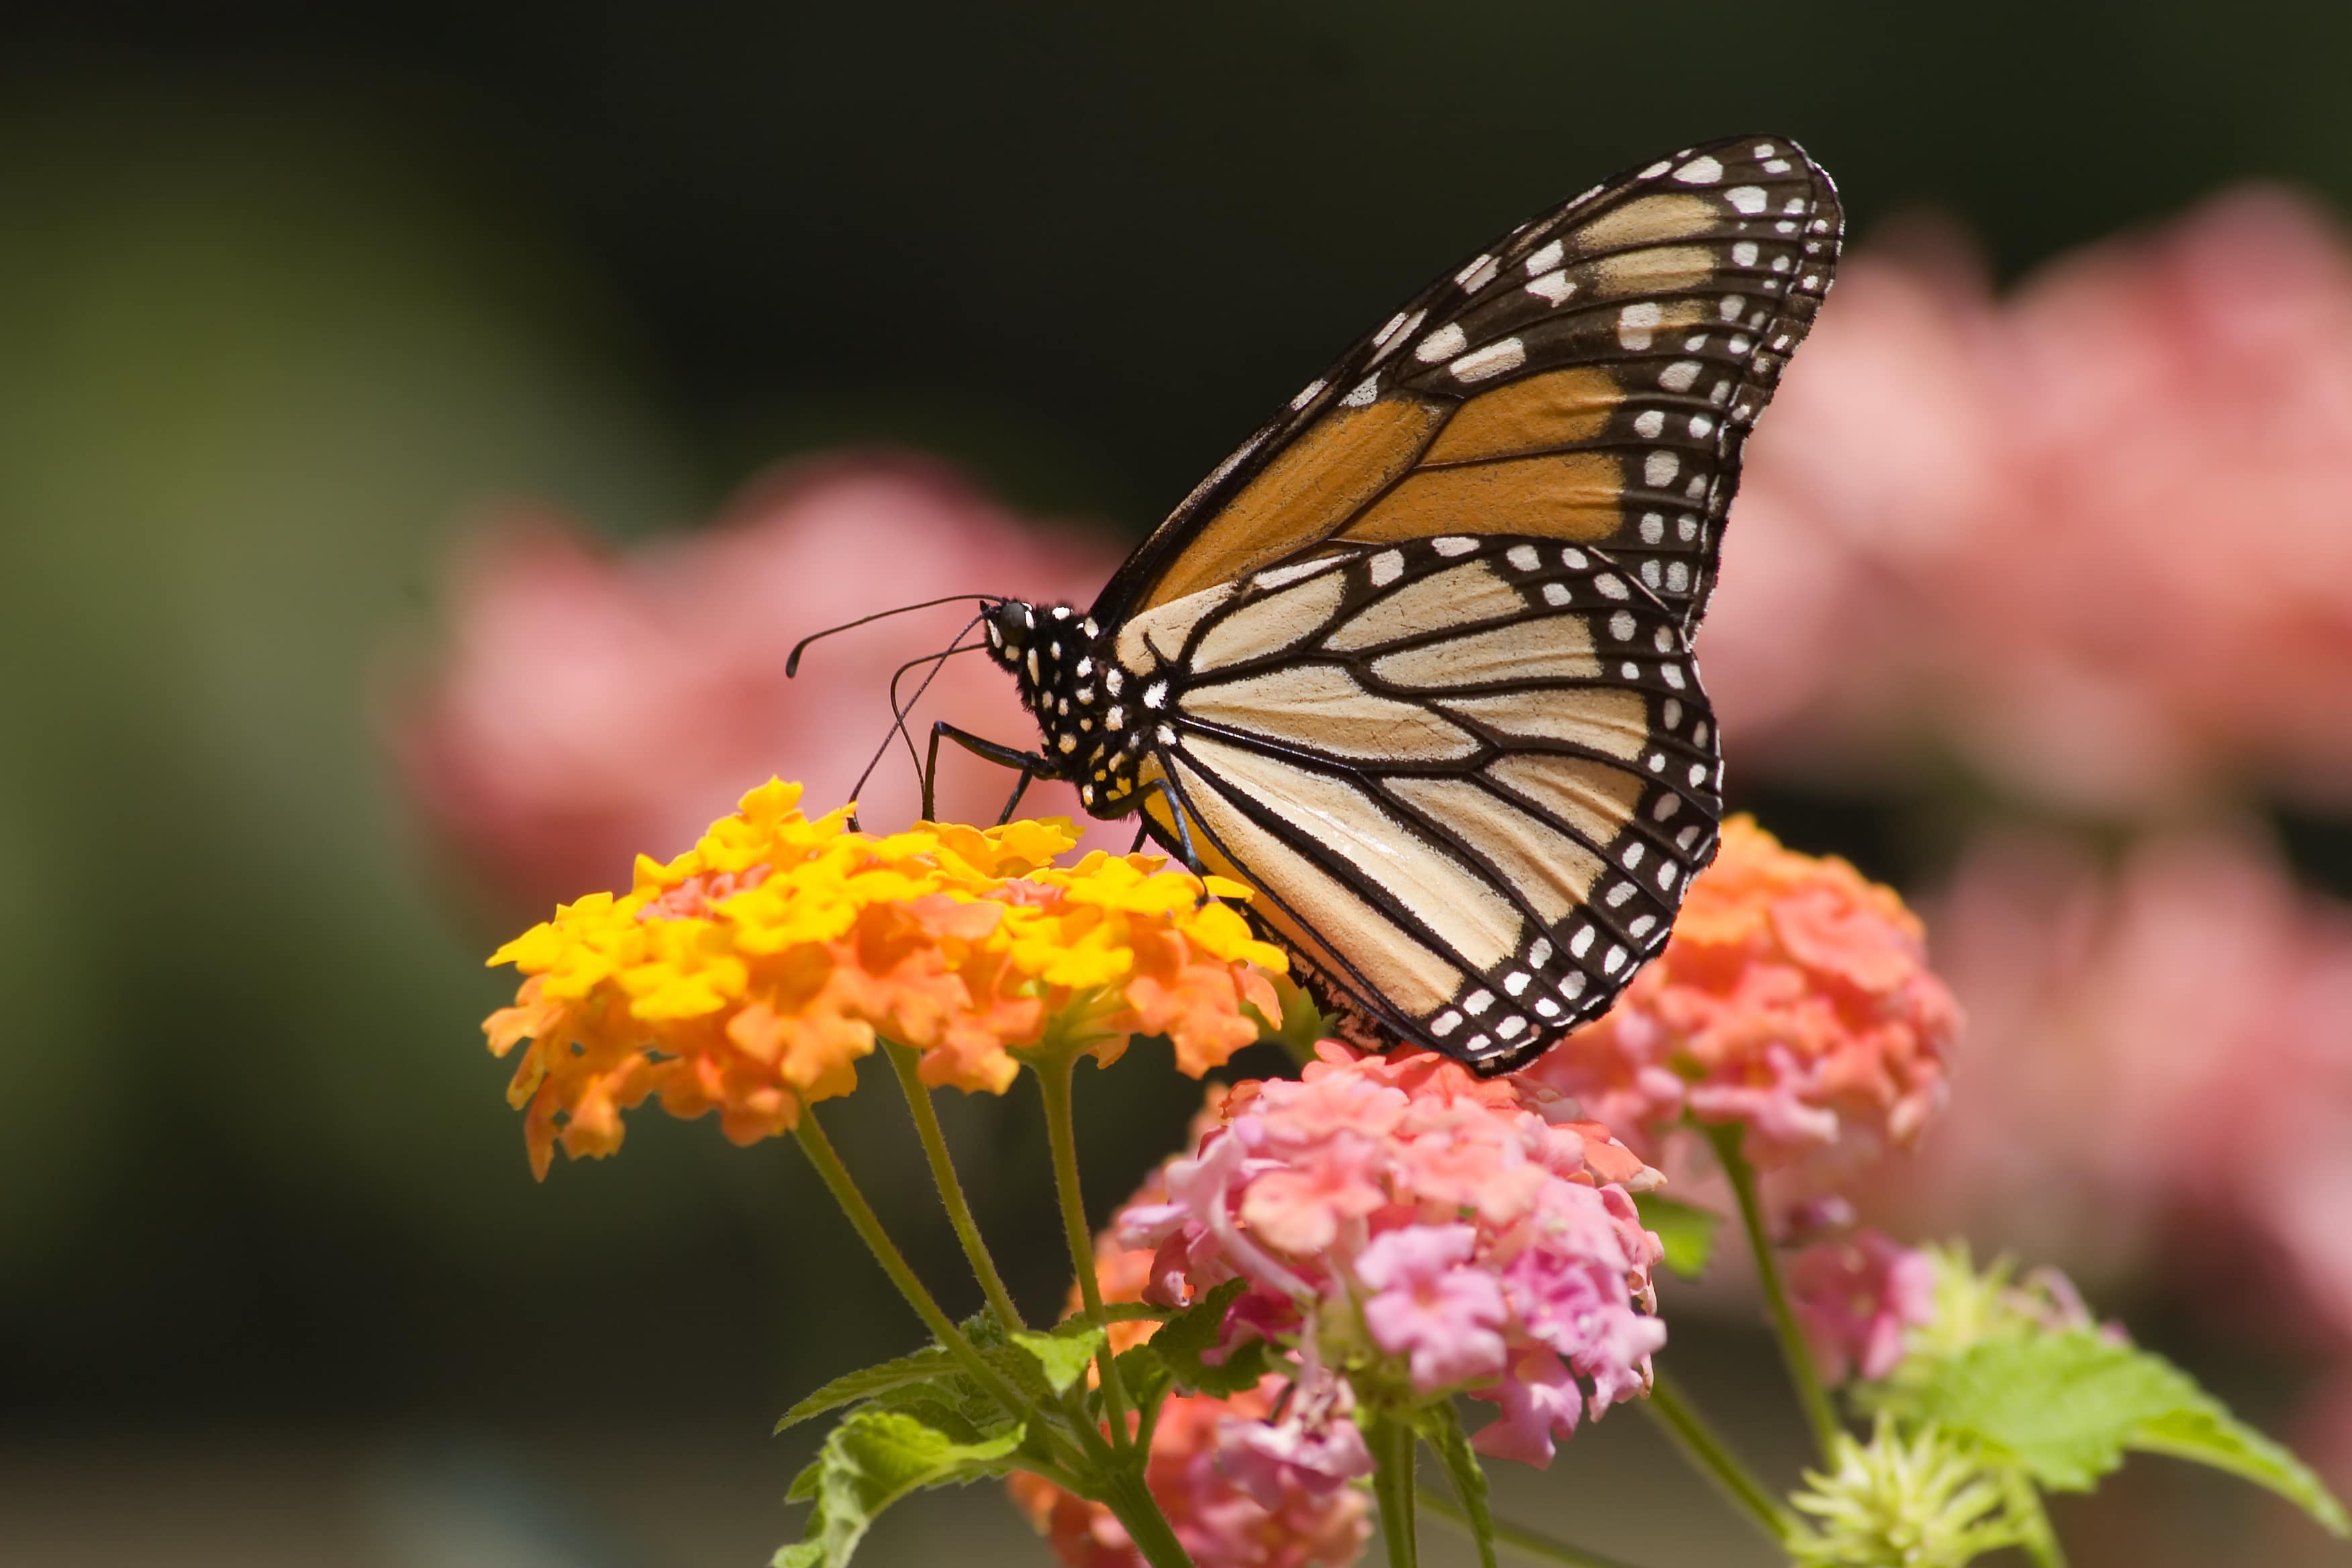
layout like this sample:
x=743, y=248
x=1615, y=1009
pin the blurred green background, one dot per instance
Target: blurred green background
x=286, y=291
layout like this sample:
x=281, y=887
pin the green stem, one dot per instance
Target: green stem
x=904, y=1062
x=1713, y=1458
x=1394, y=1453
x=1131, y=1503
x=1819, y=1414
x=868, y=1225
x=1533, y=1543
x=1053, y=1073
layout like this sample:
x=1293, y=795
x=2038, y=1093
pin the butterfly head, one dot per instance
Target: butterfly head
x=1076, y=691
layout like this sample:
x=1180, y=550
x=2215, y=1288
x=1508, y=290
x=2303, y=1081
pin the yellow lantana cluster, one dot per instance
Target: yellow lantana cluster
x=751, y=974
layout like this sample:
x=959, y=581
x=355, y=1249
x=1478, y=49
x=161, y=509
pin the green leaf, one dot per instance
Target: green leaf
x=2066, y=1405
x=1143, y=1373
x=1440, y=1425
x=1185, y=1338
x=869, y=1461
x=867, y=1381
x=1686, y=1230
x=1120, y=1312
x=1064, y=1356
x=2215, y=1438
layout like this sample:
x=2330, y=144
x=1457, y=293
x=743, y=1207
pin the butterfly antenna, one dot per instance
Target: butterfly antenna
x=793, y=660
x=899, y=711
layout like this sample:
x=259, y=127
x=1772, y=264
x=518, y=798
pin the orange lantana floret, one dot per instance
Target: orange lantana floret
x=751, y=974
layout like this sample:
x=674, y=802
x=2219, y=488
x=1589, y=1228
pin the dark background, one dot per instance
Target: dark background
x=286, y=291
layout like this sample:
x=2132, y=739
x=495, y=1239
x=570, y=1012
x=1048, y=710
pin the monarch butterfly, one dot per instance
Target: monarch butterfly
x=1414, y=662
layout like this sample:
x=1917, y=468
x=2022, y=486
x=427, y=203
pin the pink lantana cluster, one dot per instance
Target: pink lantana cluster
x=1406, y=1231
x=1226, y=1516
x=1856, y=1296
x=1794, y=998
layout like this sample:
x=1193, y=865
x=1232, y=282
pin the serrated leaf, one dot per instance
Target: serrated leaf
x=1143, y=1374
x=867, y=1381
x=2217, y=1438
x=1063, y=1357
x=2066, y=1405
x=1120, y=1312
x=1440, y=1425
x=1184, y=1339
x=869, y=1461
x=1686, y=1231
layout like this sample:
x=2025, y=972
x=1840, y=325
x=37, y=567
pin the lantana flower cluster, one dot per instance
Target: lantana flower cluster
x=1407, y=1231
x=749, y=974
x=1795, y=999
x=1227, y=1516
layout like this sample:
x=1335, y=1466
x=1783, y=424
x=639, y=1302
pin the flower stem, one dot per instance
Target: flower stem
x=868, y=1225
x=1394, y=1453
x=1819, y=1414
x=1053, y=1073
x=1533, y=1543
x=904, y=1062
x=1714, y=1459
x=1131, y=1503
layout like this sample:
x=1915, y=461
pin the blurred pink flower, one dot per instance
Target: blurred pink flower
x=1855, y=1296
x=591, y=702
x=2158, y=1075
x=2091, y=537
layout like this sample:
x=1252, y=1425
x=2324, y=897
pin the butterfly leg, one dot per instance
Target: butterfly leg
x=1184, y=850
x=1029, y=765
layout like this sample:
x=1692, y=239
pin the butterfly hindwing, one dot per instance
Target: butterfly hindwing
x=1414, y=662
x=1469, y=777
x=1589, y=379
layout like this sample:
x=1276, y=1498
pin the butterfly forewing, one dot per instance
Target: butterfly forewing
x=1589, y=379
x=1469, y=777
x=1414, y=662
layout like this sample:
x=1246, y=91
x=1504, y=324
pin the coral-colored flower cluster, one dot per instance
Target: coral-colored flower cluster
x=1406, y=1231
x=749, y=974
x=1794, y=998
x=1227, y=1514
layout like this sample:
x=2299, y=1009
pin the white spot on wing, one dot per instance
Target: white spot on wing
x=1398, y=329
x=1307, y=395
x=1635, y=323
x=1553, y=287
x=1442, y=343
x=1387, y=567
x=1494, y=360
x=1747, y=199
x=1454, y=544
x=1648, y=423
x=1679, y=375
x=1476, y=275
x=1660, y=468
x=1703, y=171
x=1544, y=261
x=1277, y=577
x=1361, y=394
